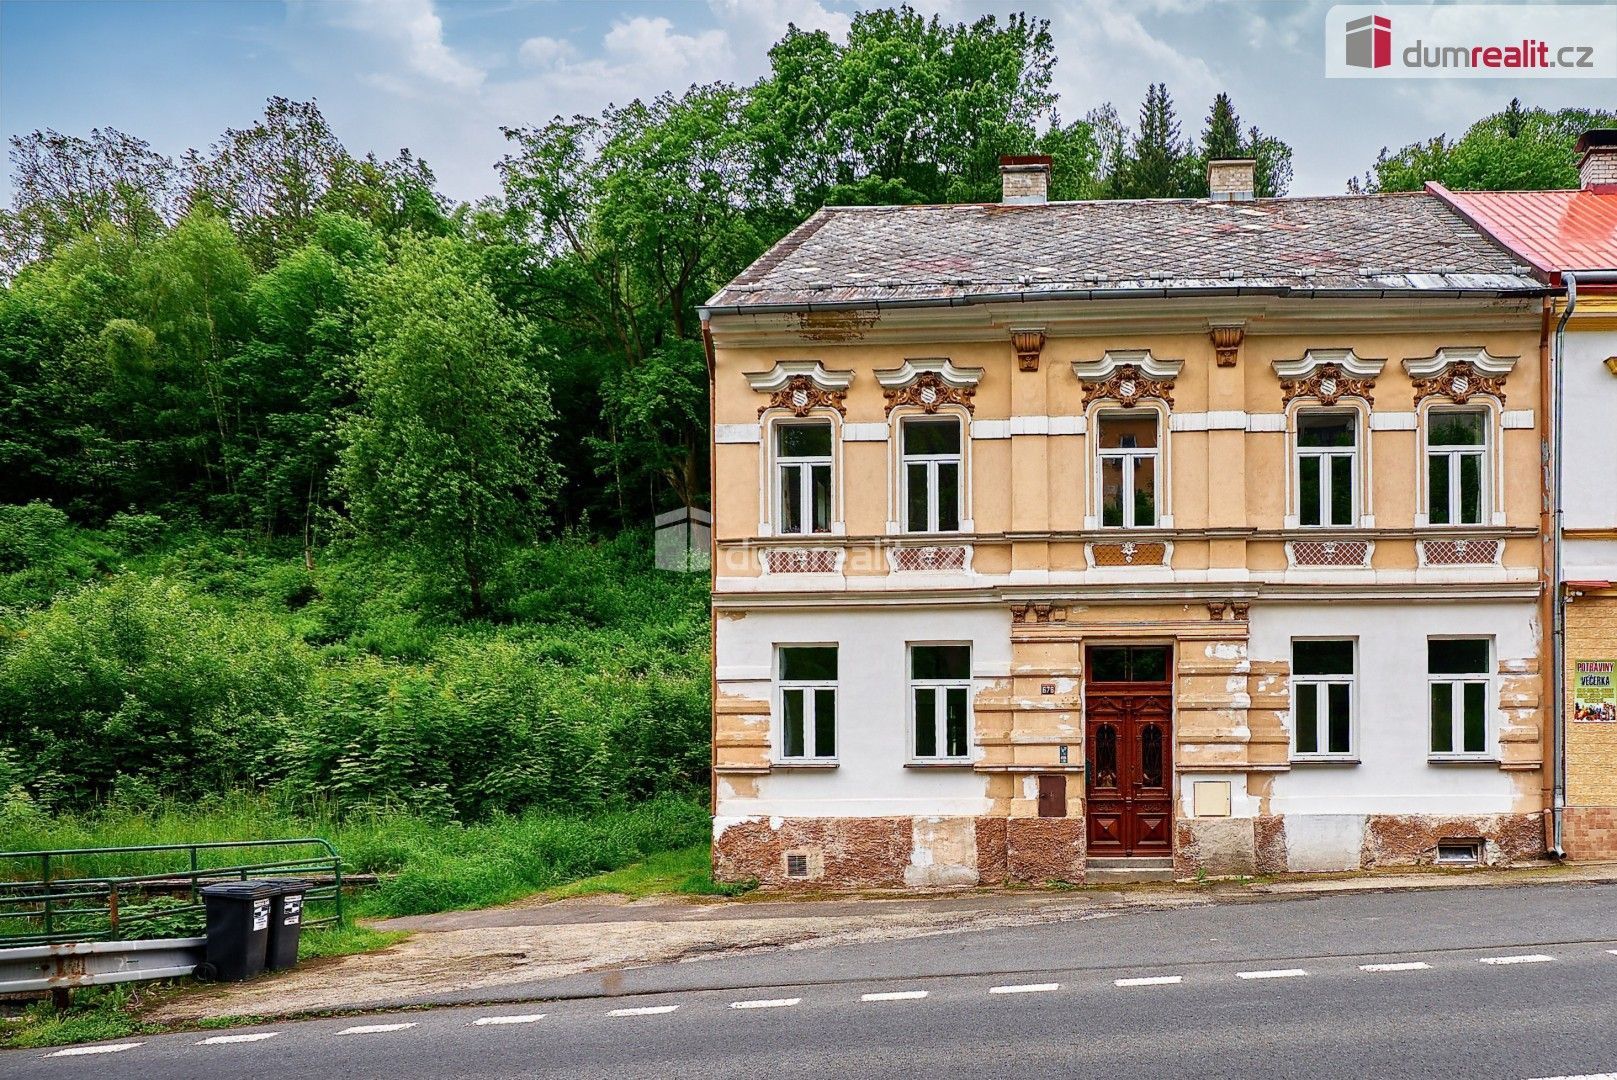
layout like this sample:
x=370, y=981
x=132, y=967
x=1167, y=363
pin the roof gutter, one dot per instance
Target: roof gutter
x=1570, y=279
x=1025, y=297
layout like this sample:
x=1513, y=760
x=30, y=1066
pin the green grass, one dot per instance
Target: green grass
x=685, y=870
x=321, y=942
x=96, y=1013
x=426, y=866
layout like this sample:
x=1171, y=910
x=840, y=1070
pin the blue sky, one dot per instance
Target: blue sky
x=441, y=76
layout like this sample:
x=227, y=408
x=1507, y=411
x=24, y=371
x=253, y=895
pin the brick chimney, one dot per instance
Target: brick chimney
x=1597, y=160
x=1024, y=179
x=1230, y=179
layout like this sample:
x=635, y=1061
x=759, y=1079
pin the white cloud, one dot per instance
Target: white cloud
x=546, y=51
x=651, y=47
x=415, y=30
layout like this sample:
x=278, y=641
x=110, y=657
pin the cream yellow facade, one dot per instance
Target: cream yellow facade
x=1034, y=575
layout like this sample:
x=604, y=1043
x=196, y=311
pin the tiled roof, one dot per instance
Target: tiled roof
x=1552, y=230
x=1353, y=244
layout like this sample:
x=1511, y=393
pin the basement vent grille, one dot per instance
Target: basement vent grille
x=1459, y=852
x=797, y=866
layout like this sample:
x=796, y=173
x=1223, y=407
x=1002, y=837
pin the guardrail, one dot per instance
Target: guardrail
x=55, y=909
x=60, y=968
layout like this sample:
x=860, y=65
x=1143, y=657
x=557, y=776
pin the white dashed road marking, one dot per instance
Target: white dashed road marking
x=765, y=1003
x=1024, y=988
x=485, y=1021
x=1414, y=965
x=644, y=1010
x=255, y=1036
x=374, y=1029
x=1279, y=973
x=897, y=995
x=1151, y=980
x=105, y=1048
x=1585, y=1076
x=1530, y=958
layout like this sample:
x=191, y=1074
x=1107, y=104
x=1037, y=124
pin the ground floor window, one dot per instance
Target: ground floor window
x=1460, y=686
x=1322, y=679
x=808, y=703
x=940, y=700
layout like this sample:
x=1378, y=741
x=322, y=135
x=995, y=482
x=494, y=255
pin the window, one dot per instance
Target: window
x=1457, y=671
x=931, y=475
x=803, y=469
x=1456, y=466
x=1128, y=663
x=1321, y=699
x=1327, y=468
x=1128, y=469
x=940, y=696
x=808, y=703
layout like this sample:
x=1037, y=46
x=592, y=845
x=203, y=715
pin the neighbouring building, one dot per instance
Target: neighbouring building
x=1072, y=540
x=1570, y=240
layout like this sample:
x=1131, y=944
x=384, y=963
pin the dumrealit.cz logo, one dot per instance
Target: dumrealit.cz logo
x=1471, y=41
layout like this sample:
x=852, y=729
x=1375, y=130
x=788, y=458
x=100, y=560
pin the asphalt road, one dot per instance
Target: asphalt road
x=1497, y=983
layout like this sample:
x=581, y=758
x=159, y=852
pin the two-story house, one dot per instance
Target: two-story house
x=1569, y=238
x=1066, y=540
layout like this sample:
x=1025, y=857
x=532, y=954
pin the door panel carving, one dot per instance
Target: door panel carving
x=1129, y=774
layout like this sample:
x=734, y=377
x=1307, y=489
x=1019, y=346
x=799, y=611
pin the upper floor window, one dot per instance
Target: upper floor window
x=1128, y=457
x=803, y=473
x=940, y=701
x=808, y=703
x=1321, y=698
x=1457, y=676
x=1456, y=466
x=1327, y=467
x=931, y=474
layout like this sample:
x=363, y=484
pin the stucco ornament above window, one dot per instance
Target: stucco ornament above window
x=1128, y=375
x=1328, y=375
x=929, y=385
x=801, y=386
x=1460, y=374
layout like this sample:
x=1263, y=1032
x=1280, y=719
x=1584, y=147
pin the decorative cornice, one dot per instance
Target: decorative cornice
x=1028, y=343
x=1126, y=376
x=929, y=384
x=1460, y=374
x=1328, y=375
x=801, y=385
x=1346, y=361
x=1227, y=338
x=1139, y=359
x=941, y=366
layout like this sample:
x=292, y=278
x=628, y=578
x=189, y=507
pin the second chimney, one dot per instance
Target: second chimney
x=1024, y=179
x=1597, y=160
x=1231, y=179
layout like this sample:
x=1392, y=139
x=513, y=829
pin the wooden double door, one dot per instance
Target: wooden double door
x=1128, y=740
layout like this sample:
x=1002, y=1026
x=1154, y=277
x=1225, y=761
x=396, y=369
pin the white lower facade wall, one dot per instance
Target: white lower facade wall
x=1328, y=807
x=870, y=779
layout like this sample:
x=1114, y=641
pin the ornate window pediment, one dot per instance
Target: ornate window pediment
x=1328, y=375
x=929, y=384
x=801, y=385
x=1126, y=376
x=1460, y=374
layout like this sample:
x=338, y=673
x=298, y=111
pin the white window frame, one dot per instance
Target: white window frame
x=1129, y=458
x=808, y=688
x=932, y=461
x=806, y=466
x=1485, y=500
x=939, y=705
x=1326, y=453
x=1322, y=718
x=1457, y=705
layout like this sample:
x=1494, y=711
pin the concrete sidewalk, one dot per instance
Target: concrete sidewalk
x=501, y=952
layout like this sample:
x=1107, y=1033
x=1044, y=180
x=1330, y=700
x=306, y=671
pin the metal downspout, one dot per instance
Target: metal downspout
x=1558, y=594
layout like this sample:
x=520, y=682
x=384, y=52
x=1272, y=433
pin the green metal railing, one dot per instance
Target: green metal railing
x=59, y=906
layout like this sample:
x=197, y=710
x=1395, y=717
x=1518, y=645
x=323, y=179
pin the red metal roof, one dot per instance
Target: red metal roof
x=1551, y=230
